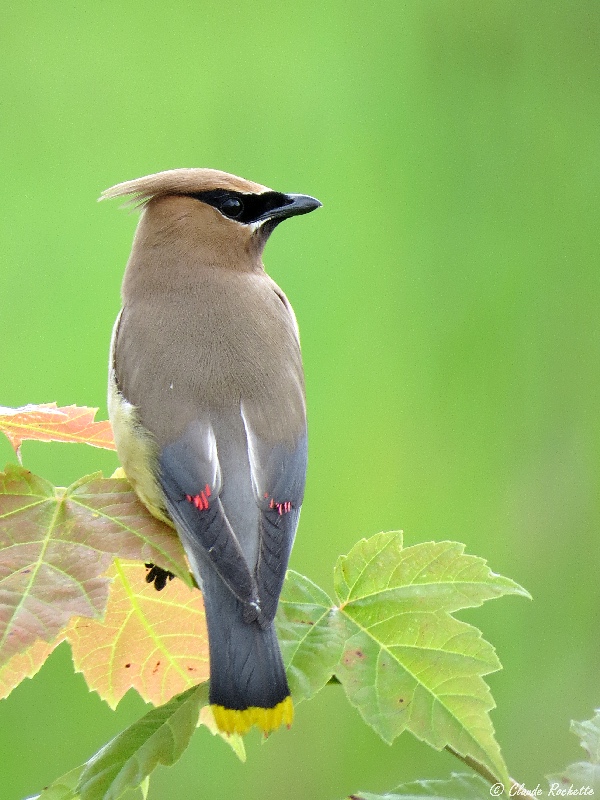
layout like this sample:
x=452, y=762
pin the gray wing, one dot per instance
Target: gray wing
x=278, y=476
x=190, y=476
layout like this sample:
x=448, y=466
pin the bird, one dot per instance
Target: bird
x=206, y=398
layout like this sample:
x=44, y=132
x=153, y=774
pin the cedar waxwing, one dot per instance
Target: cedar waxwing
x=206, y=399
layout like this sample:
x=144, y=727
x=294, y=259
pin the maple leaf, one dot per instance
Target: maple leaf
x=458, y=787
x=121, y=768
x=408, y=664
x=404, y=661
x=48, y=423
x=154, y=642
x=56, y=546
x=159, y=737
x=310, y=633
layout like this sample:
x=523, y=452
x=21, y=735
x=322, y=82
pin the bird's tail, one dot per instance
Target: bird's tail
x=248, y=685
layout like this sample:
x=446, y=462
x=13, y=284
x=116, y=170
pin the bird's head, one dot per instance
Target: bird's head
x=209, y=209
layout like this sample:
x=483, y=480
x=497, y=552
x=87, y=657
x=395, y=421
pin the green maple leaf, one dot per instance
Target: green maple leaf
x=405, y=662
x=458, y=787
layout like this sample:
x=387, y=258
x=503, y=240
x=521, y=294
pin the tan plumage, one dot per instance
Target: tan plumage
x=179, y=182
x=206, y=390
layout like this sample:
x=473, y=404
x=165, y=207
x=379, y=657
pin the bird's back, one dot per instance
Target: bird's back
x=206, y=396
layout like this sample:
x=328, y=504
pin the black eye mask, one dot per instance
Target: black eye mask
x=244, y=208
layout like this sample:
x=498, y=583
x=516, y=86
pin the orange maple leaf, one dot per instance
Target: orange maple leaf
x=56, y=545
x=48, y=423
x=155, y=642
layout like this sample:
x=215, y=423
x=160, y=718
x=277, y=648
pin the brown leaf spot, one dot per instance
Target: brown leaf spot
x=127, y=666
x=351, y=656
x=155, y=670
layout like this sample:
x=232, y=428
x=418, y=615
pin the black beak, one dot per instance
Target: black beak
x=291, y=206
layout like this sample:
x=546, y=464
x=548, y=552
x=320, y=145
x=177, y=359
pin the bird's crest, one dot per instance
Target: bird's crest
x=180, y=181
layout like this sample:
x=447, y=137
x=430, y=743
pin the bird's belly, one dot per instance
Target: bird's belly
x=137, y=452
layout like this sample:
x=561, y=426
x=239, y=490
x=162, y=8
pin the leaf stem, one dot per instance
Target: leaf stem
x=489, y=776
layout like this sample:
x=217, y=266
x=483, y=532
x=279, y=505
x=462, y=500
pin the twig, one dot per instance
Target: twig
x=516, y=789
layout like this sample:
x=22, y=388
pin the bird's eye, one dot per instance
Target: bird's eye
x=232, y=207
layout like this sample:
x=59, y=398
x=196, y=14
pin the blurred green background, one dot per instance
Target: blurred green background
x=447, y=295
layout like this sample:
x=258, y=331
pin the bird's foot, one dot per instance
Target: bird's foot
x=158, y=576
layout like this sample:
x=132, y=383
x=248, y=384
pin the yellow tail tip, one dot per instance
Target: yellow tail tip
x=230, y=720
